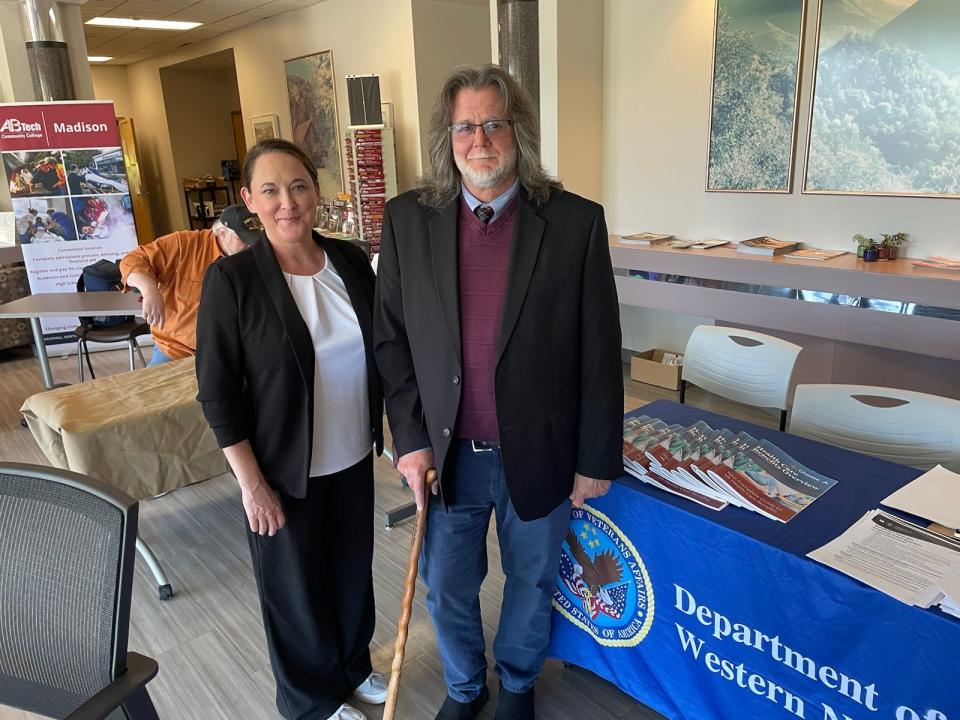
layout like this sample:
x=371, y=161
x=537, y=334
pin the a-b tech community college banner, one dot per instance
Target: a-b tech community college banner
x=68, y=185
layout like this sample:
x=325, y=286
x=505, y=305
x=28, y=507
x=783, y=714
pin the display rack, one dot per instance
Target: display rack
x=372, y=174
x=196, y=195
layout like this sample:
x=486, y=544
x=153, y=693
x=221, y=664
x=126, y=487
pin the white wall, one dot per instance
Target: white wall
x=366, y=36
x=111, y=82
x=657, y=84
x=571, y=93
x=446, y=33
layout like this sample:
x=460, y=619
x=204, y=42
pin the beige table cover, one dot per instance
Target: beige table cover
x=141, y=431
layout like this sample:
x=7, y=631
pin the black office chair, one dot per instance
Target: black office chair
x=128, y=331
x=66, y=576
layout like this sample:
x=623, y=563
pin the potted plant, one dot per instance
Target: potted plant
x=892, y=242
x=871, y=252
x=863, y=242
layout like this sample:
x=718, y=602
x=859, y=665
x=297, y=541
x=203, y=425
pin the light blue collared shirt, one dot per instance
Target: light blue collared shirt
x=498, y=203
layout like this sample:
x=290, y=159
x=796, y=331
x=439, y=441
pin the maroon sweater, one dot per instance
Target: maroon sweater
x=484, y=251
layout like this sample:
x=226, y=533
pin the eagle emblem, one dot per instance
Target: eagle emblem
x=597, y=581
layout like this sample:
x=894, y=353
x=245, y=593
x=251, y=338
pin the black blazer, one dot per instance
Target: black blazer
x=255, y=357
x=558, y=378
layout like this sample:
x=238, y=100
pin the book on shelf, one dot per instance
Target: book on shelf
x=814, y=254
x=697, y=244
x=645, y=238
x=765, y=245
x=938, y=262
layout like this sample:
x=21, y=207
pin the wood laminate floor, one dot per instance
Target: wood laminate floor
x=208, y=639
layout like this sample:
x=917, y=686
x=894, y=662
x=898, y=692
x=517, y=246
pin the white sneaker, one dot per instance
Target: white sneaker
x=345, y=712
x=373, y=690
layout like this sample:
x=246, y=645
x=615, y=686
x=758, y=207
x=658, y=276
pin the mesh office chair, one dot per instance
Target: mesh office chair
x=66, y=575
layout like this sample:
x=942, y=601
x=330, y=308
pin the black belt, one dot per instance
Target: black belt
x=483, y=446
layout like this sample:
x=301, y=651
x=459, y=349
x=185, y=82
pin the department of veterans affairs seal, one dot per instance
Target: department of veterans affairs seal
x=603, y=587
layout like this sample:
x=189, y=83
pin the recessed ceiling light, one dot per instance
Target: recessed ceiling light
x=99, y=58
x=143, y=24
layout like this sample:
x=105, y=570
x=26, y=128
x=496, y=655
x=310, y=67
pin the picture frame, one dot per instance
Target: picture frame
x=386, y=110
x=885, y=102
x=264, y=127
x=754, y=100
x=314, y=118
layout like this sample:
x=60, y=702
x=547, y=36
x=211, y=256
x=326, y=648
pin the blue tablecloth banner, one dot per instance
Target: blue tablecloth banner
x=707, y=615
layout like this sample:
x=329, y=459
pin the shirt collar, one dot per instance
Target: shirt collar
x=498, y=203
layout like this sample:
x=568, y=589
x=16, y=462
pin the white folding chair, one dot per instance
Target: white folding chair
x=905, y=427
x=740, y=365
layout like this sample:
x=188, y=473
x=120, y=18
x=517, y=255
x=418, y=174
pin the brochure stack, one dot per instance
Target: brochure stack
x=372, y=173
x=717, y=467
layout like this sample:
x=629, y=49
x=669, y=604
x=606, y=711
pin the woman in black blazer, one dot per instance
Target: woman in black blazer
x=289, y=386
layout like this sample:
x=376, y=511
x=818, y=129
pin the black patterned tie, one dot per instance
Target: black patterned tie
x=484, y=212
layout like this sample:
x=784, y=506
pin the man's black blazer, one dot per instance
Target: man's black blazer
x=255, y=357
x=558, y=378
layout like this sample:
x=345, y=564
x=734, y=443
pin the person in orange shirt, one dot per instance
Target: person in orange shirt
x=169, y=272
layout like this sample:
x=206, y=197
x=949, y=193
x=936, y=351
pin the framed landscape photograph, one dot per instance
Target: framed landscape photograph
x=753, y=109
x=313, y=116
x=264, y=127
x=885, y=114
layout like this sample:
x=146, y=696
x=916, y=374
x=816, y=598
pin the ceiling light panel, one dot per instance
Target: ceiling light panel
x=143, y=24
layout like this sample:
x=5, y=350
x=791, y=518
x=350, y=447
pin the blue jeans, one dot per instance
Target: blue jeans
x=158, y=357
x=454, y=564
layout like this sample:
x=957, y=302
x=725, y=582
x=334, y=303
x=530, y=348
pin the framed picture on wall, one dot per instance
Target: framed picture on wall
x=264, y=127
x=885, y=113
x=753, y=110
x=313, y=116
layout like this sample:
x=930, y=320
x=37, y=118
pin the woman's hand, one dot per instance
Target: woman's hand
x=264, y=513
x=260, y=501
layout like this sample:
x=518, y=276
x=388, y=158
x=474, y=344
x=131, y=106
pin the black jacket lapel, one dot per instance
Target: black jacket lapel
x=443, y=248
x=527, y=236
x=286, y=307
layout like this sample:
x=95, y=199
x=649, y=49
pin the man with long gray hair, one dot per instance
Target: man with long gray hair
x=497, y=334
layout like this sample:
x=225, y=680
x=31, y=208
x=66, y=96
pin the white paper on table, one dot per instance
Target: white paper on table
x=935, y=495
x=895, y=557
x=951, y=595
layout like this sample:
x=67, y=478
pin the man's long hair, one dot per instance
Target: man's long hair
x=441, y=182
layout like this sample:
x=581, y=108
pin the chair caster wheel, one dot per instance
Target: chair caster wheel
x=23, y=422
x=166, y=592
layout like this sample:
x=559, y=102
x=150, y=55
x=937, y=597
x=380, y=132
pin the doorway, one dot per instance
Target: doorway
x=202, y=100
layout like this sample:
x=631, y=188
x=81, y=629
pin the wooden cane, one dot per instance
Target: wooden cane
x=409, y=589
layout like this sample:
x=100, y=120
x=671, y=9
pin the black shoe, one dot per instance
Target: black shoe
x=453, y=710
x=515, y=706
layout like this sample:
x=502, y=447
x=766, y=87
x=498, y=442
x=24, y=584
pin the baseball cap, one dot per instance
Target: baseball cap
x=244, y=223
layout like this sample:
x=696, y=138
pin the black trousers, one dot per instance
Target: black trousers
x=316, y=592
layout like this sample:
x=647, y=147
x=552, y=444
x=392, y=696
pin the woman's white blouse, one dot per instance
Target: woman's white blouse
x=341, y=409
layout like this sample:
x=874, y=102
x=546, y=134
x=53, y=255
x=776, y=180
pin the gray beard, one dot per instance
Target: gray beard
x=485, y=180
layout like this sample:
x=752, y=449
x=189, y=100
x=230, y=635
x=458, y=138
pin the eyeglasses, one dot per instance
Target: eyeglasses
x=491, y=128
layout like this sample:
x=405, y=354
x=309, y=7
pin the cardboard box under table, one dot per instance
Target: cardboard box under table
x=141, y=431
x=648, y=367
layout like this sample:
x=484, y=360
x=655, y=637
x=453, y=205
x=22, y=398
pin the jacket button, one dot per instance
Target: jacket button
x=445, y=432
x=456, y=379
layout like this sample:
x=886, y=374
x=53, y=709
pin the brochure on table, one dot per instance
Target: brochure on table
x=64, y=167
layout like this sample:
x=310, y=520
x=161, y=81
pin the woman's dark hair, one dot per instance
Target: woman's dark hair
x=275, y=145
